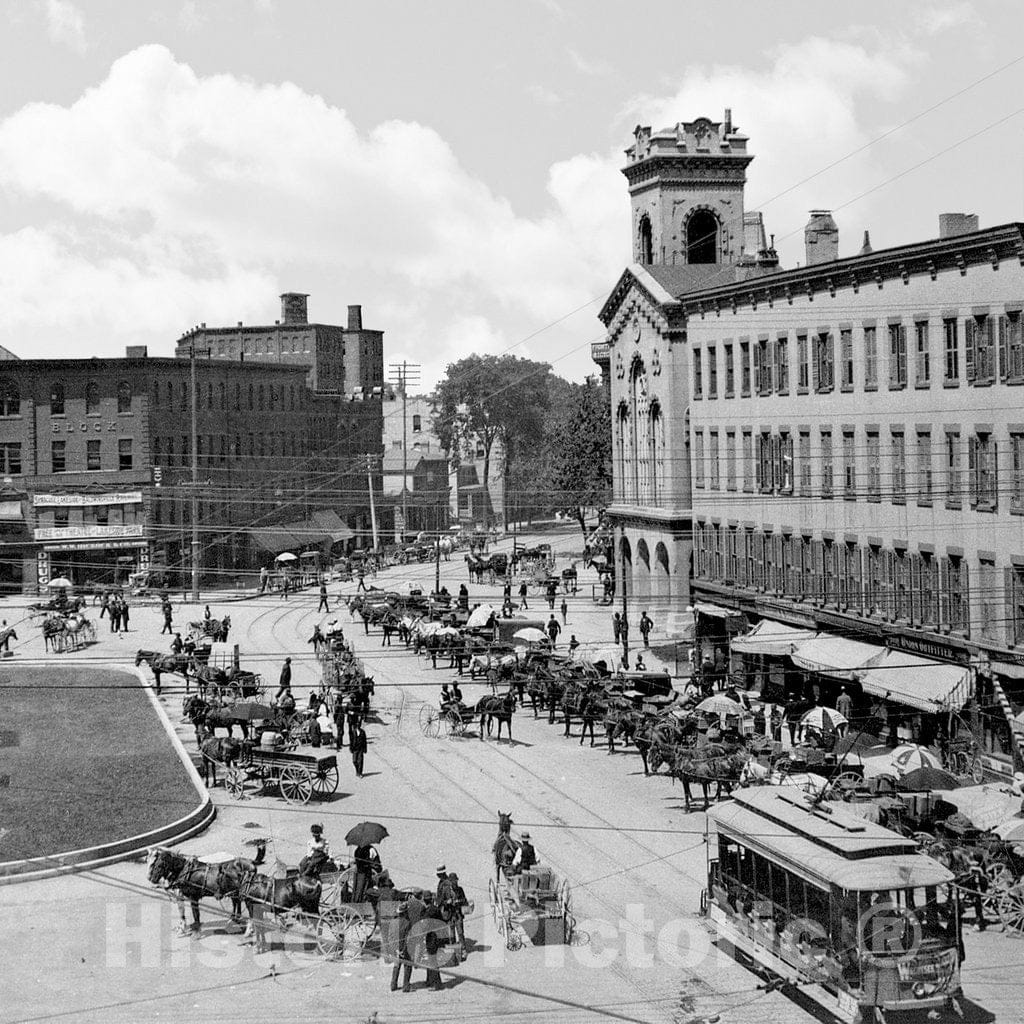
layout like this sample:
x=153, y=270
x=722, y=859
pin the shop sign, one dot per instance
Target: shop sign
x=929, y=648
x=109, y=545
x=95, y=426
x=88, y=532
x=81, y=500
x=42, y=568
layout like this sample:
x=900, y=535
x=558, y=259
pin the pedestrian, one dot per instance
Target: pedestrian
x=156, y=676
x=573, y=644
x=340, y=712
x=553, y=629
x=522, y=596
x=104, y=603
x=624, y=631
x=412, y=947
x=616, y=627
x=322, y=606
x=357, y=746
x=588, y=712
x=551, y=595
x=264, y=579
x=844, y=703
x=284, y=683
x=207, y=614
x=457, y=920
x=394, y=929
x=124, y=616
x=640, y=666
x=506, y=590
x=177, y=644
x=565, y=613
x=285, y=587
x=114, y=613
x=362, y=861
x=646, y=625
x=361, y=575
x=168, y=627
x=436, y=932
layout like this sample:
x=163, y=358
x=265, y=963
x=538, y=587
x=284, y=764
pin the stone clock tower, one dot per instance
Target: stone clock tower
x=686, y=187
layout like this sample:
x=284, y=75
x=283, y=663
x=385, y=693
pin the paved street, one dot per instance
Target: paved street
x=102, y=946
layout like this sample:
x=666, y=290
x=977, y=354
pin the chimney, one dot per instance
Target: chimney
x=865, y=249
x=727, y=123
x=951, y=224
x=135, y=351
x=821, y=238
x=293, y=308
x=355, y=318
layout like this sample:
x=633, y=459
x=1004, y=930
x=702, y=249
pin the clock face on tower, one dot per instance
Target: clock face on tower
x=636, y=328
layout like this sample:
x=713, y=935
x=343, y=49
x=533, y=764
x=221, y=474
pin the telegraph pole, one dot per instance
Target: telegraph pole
x=373, y=508
x=398, y=374
x=195, y=474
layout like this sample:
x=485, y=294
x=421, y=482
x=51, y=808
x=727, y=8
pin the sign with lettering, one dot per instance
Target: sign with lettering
x=81, y=500
x=88, y=532
x=929, y=648
x=107, y=545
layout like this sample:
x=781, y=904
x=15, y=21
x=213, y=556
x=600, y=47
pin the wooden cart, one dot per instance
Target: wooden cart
x=299, y=773
x=534, y=906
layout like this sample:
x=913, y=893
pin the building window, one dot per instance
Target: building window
x=61, y=518
x=417, y=424
x=802, y=372
x=763, y=367
x=951, y=349
x=1011, y=348
x=184, y=396
x=924, y=467
x=765, y=463
x=124, y=397
x=922, y=361
x=784, y=468
x=10, y=399
x=978, y=349
x=730, y=373
x=928, y=605
x=698, y=459
x=901, y=585
x=238, y=397
x=849, y=466
x=850, y=579
x=730, y=460
x=698, y=375
x=826, y=463
x=897, y=356
x=57, y=399
x=744, y=368
x=899, y=469
x=805, y=463
x=846, y=358
x=807, y=569
x=124, y=453
x=102, y=515
x=748, y=460
x=291, y=393
x=713, y=480
x=870, y=359
x=990, y=600
x=10, y=453
x=782, y=365
x=874, y=467
x=954, y=486
x=1017, y=478
x=875, y=582
x=824, y=362
x=262, y=397
x=956, y=595
x=92, y=455
x=252, y=392
x=712, y=372
x=829, y=572
x=222, y=394
x=981, y=470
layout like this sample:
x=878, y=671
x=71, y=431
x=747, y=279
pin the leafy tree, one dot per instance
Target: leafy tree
x=581, y=473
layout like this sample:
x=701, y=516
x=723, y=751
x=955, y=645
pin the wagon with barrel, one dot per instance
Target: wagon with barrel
x=298, y=773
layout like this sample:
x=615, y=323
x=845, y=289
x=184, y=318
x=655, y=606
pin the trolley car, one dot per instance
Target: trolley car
x=850, y=912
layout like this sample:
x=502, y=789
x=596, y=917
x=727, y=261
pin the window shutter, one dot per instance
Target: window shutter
x=756, y=349
x=777, y=462
x=965, y=576
x=894, y=357
x=1004, y=353
x=815, y=362
x=759, y=560
x=972, y=470
x=830, y=359
x=914, y=562
x=818, y=549
x=1009, y=606
x=776, y=347
x=942, y=584
x=888, y=588
x=970, y=346
x=994, y=483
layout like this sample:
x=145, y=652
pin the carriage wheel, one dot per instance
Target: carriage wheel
x=430, y=724
x=1000, y=882
x=342, y=934
x=293, y=725
x=565, y=906
x=296, y=784
x=456, y=725
x=1011, y=908
x=235, y=783
x=325, y=781
x=975, y=768
x=494, y=896
x=844, y=783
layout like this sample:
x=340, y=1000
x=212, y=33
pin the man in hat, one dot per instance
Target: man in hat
x=323, y=606
x=357, y=745
x=456, y=923
x=317, y=851
x=844, y=703
x=526, y=855
x=394, y=927
x=284, y=684
x=553, y=629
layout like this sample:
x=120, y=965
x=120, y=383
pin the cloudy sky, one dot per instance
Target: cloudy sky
x=454, y=166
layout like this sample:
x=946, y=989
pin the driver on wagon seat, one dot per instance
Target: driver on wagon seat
x=526, y=855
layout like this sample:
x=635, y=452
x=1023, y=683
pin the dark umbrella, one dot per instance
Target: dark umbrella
x=927, y=778
x=250, y=712
x=366, y=833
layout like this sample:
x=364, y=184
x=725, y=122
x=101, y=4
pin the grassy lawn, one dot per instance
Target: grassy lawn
x=83, y=760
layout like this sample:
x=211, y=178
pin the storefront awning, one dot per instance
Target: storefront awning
x=10, y=512
x=920, y=683
x=274, y=539
x=716, y=611
x=835, y=655
x=332, y=525
x=770, y=637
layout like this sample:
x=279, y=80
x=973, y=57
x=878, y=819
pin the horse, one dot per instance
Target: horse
x=496, y=708
x=179, y=663
x=620, y=719
x=187, y=878
x=300, y=894
x=505, y=847
x=706, y=764
x=218, y=750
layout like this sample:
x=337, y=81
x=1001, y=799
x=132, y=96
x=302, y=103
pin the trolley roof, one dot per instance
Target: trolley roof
x=823, y=842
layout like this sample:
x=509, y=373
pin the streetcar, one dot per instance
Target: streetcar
x=845, y=911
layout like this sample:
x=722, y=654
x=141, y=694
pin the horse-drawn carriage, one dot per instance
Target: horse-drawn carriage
x=298, y=773
x=63, y=633
x=209, y=629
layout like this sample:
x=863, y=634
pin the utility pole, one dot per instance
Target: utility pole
x=373, y=508
x=195, y=474
x=398, y=374
x=437, y=563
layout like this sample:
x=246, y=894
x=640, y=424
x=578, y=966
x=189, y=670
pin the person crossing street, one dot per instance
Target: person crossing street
x=323, y=606
x=553, y=629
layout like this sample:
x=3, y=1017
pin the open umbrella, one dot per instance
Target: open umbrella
x=531, y=635
x=823, y=719
x=909, y=756
x=61, y=582
x=366, y=833
x=719, y=705
x=286, y=556
x=479, y=616
x=924, y=779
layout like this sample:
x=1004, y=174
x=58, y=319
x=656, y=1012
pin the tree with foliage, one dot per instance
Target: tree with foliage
x=581, y=473
x=484, y=400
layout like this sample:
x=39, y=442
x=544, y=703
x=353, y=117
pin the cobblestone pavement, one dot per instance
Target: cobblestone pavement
x=102, y=946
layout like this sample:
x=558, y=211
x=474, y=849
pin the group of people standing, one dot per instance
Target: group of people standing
x=115, y=607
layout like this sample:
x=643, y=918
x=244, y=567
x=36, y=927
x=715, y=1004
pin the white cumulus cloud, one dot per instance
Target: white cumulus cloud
x=65, y=24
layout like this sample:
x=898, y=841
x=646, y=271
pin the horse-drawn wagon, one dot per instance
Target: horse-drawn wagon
x=299, y=773
x=450, y=719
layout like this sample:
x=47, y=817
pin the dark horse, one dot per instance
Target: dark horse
x=300, y=893
x=498, y=709
x=504, y=848
x=187, y=878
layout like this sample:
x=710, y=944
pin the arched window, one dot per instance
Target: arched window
x=222, y=394
x=293, y=396
x=646, y=240
x=622, y=432
x=124, y=396
x=92, y=398
x=170, y=394
x=702, y=237
x=209, y=395
x=238, y=397
x=262, y=397
x=658, y=453
x=57, y=399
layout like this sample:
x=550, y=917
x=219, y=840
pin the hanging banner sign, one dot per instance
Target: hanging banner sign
x=81, y=500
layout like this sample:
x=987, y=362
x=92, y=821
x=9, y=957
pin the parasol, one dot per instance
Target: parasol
x=926, y=778
x=909, y=756
x=479, y=616
x=61, y=582
x=719, y=705
x=366, y=833
x=824, y=719
x=286, y=556
x=531, y=634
